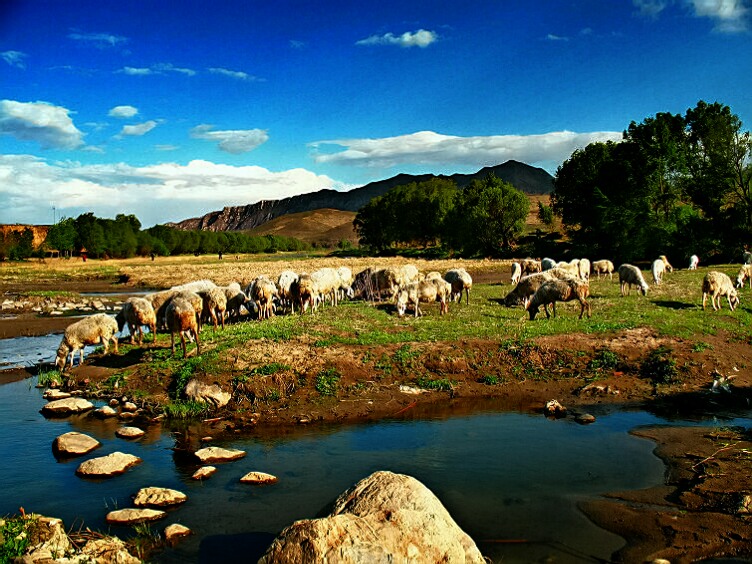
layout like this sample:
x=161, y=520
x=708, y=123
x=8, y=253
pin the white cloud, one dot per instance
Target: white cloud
x=552, y=37
x=297, y=44
x=166, y=147
x=98, y=40
x=420, y=38
x=136, y=71
x=48, y=125
x=14, y=58
x=138, y=129
x=429, y=148
x=123, y=112
x=155, y=194
x=232, y=141
x=158, y=68
x=650, y=8
x=239, y=75
x=730, y=16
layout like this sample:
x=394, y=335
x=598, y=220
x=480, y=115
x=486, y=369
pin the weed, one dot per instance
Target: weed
x=186, y=409
x=50, y=379
x=440, y=385
x=145, y=540
x=15, y=533
x=659, y=367
x=327, y=381
x=604, y=359
x=269, y=369
x=489, y=379
x=700, y=346
x=404, y=356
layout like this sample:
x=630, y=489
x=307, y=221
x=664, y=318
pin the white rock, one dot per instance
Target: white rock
x=217, y=454
x=129, y=406
x=53, y=394
x=130, y=432
x=132, y=516
x=204, y=472
x=107, y=466
x=175, y=531
x=74, y=444
x=203, y=393
x=105, y=411
x=258, y=478
x=159, y=497
x=67, y=406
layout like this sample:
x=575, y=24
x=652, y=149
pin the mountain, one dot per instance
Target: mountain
x=524, y=177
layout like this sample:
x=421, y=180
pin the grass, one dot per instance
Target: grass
x=15, y=534
x=50, y=378
x=327, y=381
x=179, y=409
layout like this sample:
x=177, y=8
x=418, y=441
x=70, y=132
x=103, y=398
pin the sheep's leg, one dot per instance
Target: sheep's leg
x=198, y=346
x=553, y=307
x=153, y=329
x=182, y=342
x=731, y=306
x=172, y=342
x=545, y=308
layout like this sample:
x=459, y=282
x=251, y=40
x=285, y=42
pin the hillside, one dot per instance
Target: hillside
x=40, y=232
x=324, y=226
x=528, y=179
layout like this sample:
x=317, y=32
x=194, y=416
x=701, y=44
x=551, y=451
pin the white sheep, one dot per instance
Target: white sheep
x=91, y=330
x=604, y=266
x=628, y=275
x=136, y=313
x=516, y=273
x=572, y=268
x=346, y=282
x=547, y=264
x=433, y=275
x=214, y=305
x=327, y=283
x=584, y=269
x=284, y=284
x=424, y=291
x=303, y=292
x=443, y=293
x=694, y=260
x=461, y=281
x=196, y=286
x=559, y=290
x=407, y=274
x=263, y=292
x=716, y=285
x=657, y=269
x=667, y=264
x=180, y=317
x=745, y=273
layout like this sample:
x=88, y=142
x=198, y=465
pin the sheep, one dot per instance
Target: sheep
x=214, y=305
x=235, y=303
x=603, y=267
x=745, y=273
x=370, y=283
x=443, y=293
x=180, y=317
x=424, y=291
x=530, y=266
x=433, y=275
x=327, y=283
x=547, y=264
x=346, y=282
x=528, y=285
x=263, y=292
x=159, y=301
x=667, y=264
x=553, y=291
x=747, y=257
x=303, y=292
x=284, y=284
x=657, y=269
x=407, y=274
x=584, y=269
x=231, y=290
x=137, y=312
x=716, y=285
x=516, y=272
x=694, y=260
x=460, y=280
x=571, y=268
x=192, y=298
x=628, y=275
x=91, y=330
x=196, y=286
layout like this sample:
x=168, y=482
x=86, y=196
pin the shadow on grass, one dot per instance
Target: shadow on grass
x=673, y=304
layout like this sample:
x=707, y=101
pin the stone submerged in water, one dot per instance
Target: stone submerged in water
x=134, y=516
x=130, y=432
x=67, y=406
x=74, y=444
x=585, y=418
x=204, y=472
x=217, y=454
x=107, y=466
x=258, y=478
x=385, y=517
x=175, y=531
x=54, y=394
x=158, y=497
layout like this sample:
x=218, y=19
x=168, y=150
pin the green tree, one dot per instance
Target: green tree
x=545, y=214
x=62, y=236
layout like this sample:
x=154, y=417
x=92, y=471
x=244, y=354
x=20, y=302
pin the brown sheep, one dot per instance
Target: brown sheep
x=180, y=316
x=716, y=285
x=554, y=291
x=137, y=312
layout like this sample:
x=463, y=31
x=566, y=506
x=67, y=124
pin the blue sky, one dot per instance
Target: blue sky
x=168, y=110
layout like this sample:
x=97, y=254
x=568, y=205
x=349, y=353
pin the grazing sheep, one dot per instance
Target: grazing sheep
x=667, y=264
x=231, y=290
x=694, y=260
x=159, y=301
x=235, y=303
x=424, y=291
x=180, y=317
x=716, y=285
x=91, y=330
x=572, y=268
x=263, y=292
x=303, y=292
x=376, y=283
x=346, y=282
x=195, y=286
x=192, y=298
x=745, y=273
x=461, y=281
x=747, y=257
x=528, y=285
x=433, y=275
x=214, y=305
x=554, y=291
x=327, y=283
x=137, y=312
x=603, y=267
x=657, y=269
x=443, y=293
x=584, y=269
x=516, y=272
x=284, y=285
x=628, y=275
x=547, y=264
x=530, y=266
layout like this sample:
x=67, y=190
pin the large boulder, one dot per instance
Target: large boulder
x=107, y=550
x=107, y=466
x=204, y=393
x=158, y=497
x=217, y=454
x=48, y=540
x=67, y=406
x=385, y=517
x=74, y=444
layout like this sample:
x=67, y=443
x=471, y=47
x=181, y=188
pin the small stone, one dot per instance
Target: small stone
x=130, y=432
x=175, y=531
x=134, y=516
x=53, y=394
x=114, y=402
x=258, y=478
x=206, y=439
x=107, y=466
x=74, y=444
x=67, y=406
x=159, y=497
x=105, y=411
x=745, y=505
x=126, y=416
x=217, y=454
x=129, y=406
x=204, y=472
x=585, y=418
x=554, y=409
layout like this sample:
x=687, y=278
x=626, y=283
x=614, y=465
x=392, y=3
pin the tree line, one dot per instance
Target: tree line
x=123, y=237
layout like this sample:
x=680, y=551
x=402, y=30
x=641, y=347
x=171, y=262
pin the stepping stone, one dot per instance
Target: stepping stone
x=67, y=406
x=105, y=412
x=174, y=532
x=130, y=432
x=107, y=466
x=216, y=454
x=258, y=478
x=55, y=394
x=159, y=497
x=134, y=516
x=74, y=444
x=204, y=472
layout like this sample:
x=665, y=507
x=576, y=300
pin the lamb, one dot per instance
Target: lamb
x=180, y=317
x=263, y=292
x=460, y=280
x=547, y=264
x=745, y=273
x=235, y=303
x=603, y=267
x=137, y=312
x=214, y=305
x=554, y=291
x=716, y=285
x=424, y=291
x=658, y=268
x=516, y=272
x=628, y=275
x=284, y=284
x=694, y=260
x=530, y=266
x=303, y=292
x=91, y=330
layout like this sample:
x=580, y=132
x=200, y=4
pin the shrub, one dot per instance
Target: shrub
x=659, y=367
x=605, y=359
x=327, y=381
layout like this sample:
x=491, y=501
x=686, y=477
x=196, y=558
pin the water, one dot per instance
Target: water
x=21, y=352
x=502, y=476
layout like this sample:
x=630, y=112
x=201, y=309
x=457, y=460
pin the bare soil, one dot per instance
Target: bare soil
x=698, y=513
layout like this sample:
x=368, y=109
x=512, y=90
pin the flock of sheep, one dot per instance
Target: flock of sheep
x=182, y=309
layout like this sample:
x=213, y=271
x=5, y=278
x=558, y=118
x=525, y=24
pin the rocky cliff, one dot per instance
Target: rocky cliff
x=528, y=179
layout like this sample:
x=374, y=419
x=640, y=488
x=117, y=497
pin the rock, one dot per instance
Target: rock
x=159, y=497
x=554, y=409
x=109, y=550
x=745, y=504
x=385, y=517
x=207, y=439
x=258, y=478
x=132, y=516
x=217, y=454
x=74, y=444
x=67, y=406
x=129, y=406
x=126, y=416
x=107, y=466
x=105, y=411
x=114, y=402
x=47, y=540
x=130, y=432
x=53, y=394
x=173, y=532
x=412, y=390
x=585, y=418
x=203, y=393
x=204, y=472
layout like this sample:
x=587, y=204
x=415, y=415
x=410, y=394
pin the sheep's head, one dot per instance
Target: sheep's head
x=644, y=289
x=401, y=302
x=734, y=298
x=62, y=356
x=532, y=310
